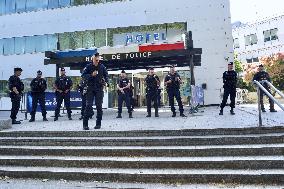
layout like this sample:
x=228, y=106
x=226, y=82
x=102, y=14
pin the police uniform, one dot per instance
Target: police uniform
x=124, y=96
x=83, y=90
x=261, y=76
x=230, y=84
x=63, y=85
x=152, y=84
x=173, y=92
x=94, y=91
x=38, y=87
x=15, y=81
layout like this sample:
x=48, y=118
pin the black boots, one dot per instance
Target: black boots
x=156, y=114
x=232, y=111
x=149, y=114
x=55, y=118
x=32, y=118
x=15, y=121
x=174, y=114
x=98, y=124
x=85, y=124
x=221, y=111
x=182, y=114
x=119, y=115
x=130, y=115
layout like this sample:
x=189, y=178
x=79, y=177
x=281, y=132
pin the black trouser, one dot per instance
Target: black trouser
x=98, y=95
x=83, y=106
x=152, y=96
x=59, y=99
x=232, y=92
x=38, y=98
x=174, y=93
x=16, y=100
x=271, y=103
x=126, y=98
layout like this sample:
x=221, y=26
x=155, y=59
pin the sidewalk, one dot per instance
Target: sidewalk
x=206, y=118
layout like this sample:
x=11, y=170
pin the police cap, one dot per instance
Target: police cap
x=39, y=72
x=17, y=69
x=123, y=71
x=96, y=54
x=260, y=65
x=62, y=69
x=231, y=63
x=151, y=68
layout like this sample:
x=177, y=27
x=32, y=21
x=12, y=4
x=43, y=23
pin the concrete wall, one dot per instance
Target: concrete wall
x=209, y=20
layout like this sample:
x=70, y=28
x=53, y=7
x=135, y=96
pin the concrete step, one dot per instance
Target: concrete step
x=268, y=176
x=147, y=151
x=241, y=162
x=271, y=138
x=142, y=133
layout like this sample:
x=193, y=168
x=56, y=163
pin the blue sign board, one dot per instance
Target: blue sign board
x=50, y=101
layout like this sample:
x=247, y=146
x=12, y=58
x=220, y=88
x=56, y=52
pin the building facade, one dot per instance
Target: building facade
x=262, y=38
x=28, y=28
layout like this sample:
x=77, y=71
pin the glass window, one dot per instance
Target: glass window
x=52, y=42
x=53, y=4
x=1, y=46
x=64, y=3
x=254, y=39
x=64, y=41
x=273, y=33
x=30, y=44
x=76, y=39
x=249, y=60
x=10, y=6
x=88, y=39
x=255, y=59
x=32, y=5
x=236, y=43
x=77, y=2
x=2, y=7
x=9, y=46
x=20, y=5
x=20, y=45
x=100, y=38
x=266, y=35
x=40, y=43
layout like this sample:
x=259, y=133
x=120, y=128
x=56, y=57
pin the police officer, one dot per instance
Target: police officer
x=38, y=87
x=230, y=84
x=123, y=90
x=82, y=88
x=16, y=88
x=96, y=76
x=152, y=82
x=62, y=87
x=172, y=82
x=260, y=76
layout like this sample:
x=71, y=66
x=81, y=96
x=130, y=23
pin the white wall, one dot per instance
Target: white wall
x=209, y=20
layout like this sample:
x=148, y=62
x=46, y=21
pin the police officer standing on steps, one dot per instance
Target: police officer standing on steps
x=152, y=82
x=172, y=82
x=62, y=87
x=230, y=84
x=123, y=90
x=16, y=88
x=97, y=78
x=262, y=75
x=38, y=87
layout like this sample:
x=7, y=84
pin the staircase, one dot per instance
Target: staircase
x=245, y=156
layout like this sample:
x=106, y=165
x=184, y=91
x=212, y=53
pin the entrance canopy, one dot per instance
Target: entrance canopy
x=129, y=57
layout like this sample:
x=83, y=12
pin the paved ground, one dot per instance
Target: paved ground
x=62, y=184
x=206, y=118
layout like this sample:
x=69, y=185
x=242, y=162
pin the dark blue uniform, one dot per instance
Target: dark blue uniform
x=63, y=85
x=38, y=87
x=260, y=76
x=230, y=84
x=15, y=81
x=152, y=85
x=95, y=85
x=173, y=92
x=125, y=96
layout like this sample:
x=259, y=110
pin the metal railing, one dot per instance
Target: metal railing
x=259, y=88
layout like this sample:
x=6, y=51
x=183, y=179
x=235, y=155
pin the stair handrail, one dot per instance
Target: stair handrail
x=260, y=87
